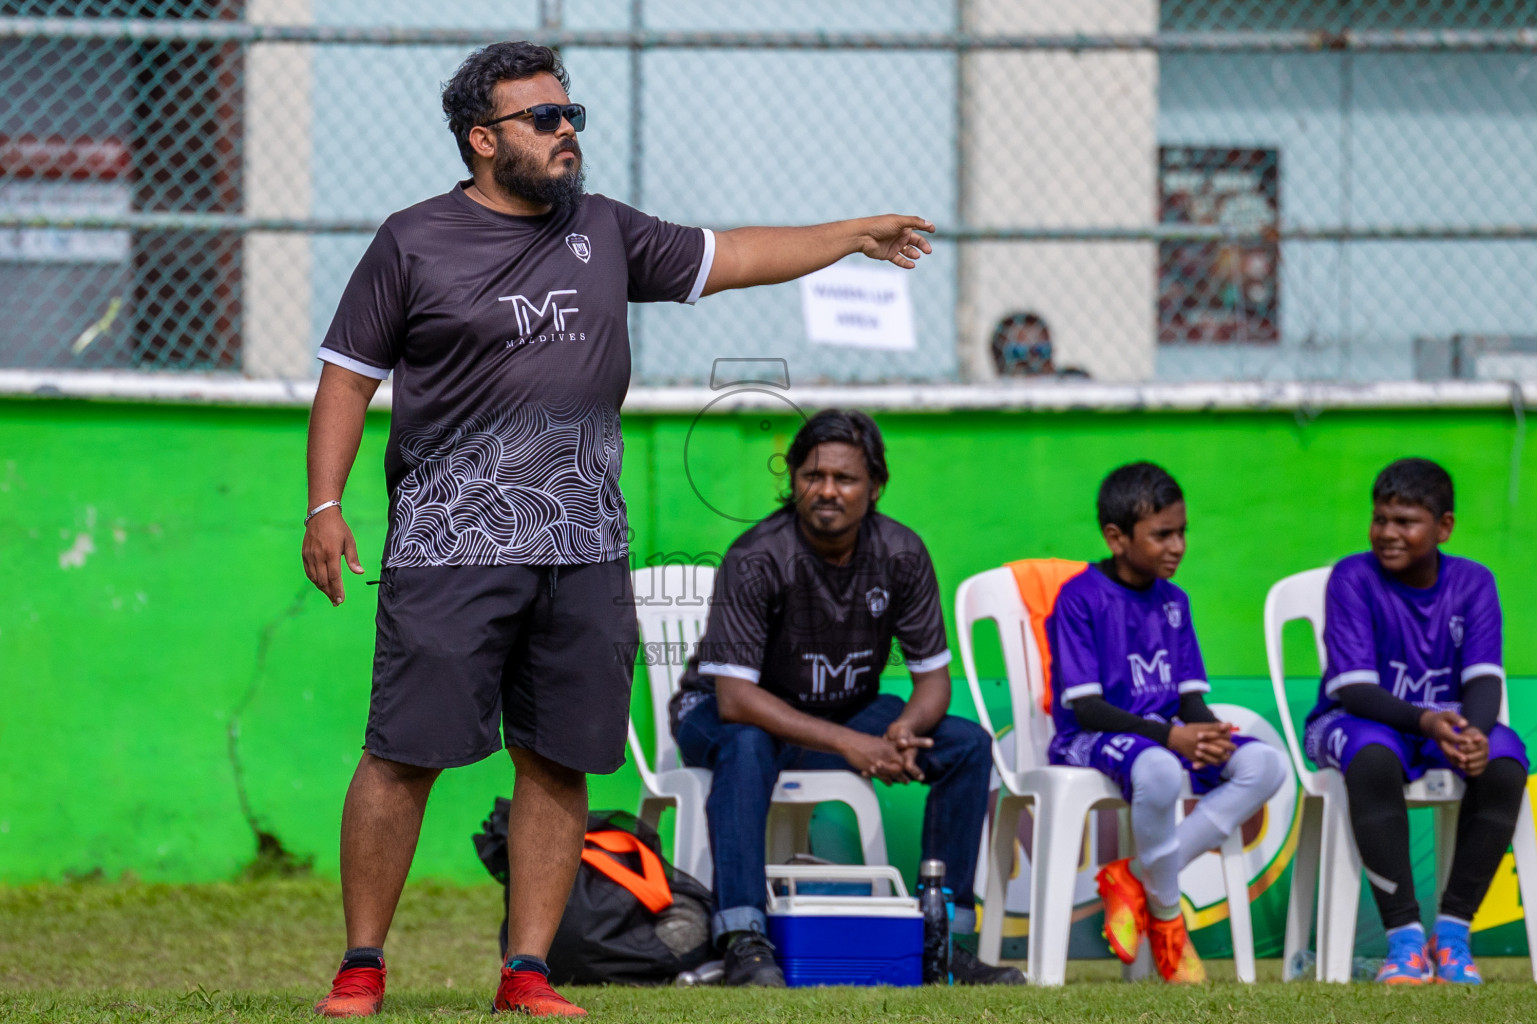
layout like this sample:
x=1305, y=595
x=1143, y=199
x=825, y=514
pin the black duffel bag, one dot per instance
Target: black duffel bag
x=632, y=919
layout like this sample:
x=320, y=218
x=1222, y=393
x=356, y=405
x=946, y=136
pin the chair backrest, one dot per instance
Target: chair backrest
x=994, y=595
x=672, y=603
x=1296, y=597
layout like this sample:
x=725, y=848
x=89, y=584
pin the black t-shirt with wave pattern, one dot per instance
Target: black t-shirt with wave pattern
x=509, y=344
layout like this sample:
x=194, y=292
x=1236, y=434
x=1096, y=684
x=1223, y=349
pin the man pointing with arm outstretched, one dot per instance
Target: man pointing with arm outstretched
x=505, y=611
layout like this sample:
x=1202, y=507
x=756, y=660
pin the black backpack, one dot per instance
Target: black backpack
x=632, y=918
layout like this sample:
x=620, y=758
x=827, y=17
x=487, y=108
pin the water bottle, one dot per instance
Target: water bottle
x=936, y=922
x=705, y=974
x=1301, y=967
x=1364, y=968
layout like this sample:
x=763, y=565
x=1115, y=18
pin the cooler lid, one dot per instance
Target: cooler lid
x=798, y=903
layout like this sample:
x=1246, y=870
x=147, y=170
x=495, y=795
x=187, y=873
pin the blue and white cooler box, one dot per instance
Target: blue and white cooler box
x=867, y=931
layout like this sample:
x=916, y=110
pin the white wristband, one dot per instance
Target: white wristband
x=321, y=508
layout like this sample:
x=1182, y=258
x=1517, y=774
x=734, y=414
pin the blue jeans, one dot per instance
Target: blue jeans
x=746, y=761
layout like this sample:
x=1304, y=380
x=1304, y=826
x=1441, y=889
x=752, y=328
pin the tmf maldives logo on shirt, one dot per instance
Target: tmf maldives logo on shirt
x=531, y=317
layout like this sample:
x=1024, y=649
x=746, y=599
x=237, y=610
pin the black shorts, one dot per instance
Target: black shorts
x=546, y=653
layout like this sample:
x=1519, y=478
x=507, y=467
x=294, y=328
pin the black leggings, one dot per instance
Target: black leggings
x=1375, y=782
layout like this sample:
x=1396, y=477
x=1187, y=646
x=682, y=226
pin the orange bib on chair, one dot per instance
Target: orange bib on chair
x=1039, y=581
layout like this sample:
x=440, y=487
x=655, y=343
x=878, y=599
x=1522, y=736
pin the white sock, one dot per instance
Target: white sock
x=1164, y=912
x=1156, y=782
x=1197, y=834
x=1251, y=776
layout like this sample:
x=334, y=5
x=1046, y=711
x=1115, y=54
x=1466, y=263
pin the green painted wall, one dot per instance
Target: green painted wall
x=156, y=630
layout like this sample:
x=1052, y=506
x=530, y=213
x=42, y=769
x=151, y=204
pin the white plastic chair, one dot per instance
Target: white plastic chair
x=672, y=603
x=1060, y=797
x=1326, y=855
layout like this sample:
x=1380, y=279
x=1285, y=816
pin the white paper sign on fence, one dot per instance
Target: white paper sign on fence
x=64, y=199
x=860, y=307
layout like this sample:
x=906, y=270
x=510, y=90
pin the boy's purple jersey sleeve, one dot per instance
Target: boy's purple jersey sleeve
x=1349, y=648
x=1483, y=644
x=1075, y=668
x=1191, y=668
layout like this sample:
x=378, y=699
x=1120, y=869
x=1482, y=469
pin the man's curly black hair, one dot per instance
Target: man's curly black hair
x=469, y=97
x=844, y=426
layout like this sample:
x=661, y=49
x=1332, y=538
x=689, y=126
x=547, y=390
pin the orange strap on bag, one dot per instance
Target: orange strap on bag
x=649, y=886
x=1039, y=581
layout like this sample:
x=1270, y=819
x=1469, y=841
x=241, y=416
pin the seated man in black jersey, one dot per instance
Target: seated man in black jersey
x=787, y=676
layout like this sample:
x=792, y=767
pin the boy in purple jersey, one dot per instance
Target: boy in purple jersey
x=1414, y=679
x=1126, y=683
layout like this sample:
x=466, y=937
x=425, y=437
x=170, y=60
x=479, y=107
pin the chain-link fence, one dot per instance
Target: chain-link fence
x=1125, y=189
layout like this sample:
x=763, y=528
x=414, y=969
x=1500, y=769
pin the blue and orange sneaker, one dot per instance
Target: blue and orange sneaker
x=1451, y=955
x=1125, y=908
x=1406, y=963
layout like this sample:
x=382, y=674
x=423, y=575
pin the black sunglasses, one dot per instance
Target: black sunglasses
x=547, y=116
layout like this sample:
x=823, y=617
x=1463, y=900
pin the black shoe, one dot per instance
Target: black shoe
x=966, y=969
x=750, y=961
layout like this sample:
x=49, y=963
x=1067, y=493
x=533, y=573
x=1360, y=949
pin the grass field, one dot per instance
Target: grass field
x=264, y=951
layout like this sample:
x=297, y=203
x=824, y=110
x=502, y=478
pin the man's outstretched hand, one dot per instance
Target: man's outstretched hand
x=895, y=239
x=746, y=257
x=327, y=542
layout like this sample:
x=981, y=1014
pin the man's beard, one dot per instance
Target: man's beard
x=527, y=175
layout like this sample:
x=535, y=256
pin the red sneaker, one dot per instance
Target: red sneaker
x=530, y=992
x=355, y=992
